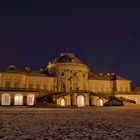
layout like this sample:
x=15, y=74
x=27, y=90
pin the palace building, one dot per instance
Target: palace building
x=66, y=81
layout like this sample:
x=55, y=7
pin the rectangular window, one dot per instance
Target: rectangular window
x=7, y=84
x=16, y=85
x=44, y=86
x=37, y=86
x=30, y=86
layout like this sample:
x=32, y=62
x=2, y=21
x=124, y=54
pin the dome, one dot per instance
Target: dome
x=67, y=58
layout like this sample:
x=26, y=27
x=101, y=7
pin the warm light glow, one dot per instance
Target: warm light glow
x=100, y=102
x=63, y=102
x=80, y=101
x=6, y=99
x=30, y=99
x=18, y=99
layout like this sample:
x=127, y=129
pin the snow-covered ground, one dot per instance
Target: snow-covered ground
x=97, y=123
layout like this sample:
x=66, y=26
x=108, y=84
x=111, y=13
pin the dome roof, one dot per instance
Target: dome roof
x=67, y=58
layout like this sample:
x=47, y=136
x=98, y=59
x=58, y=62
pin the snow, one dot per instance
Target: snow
x=94, y=123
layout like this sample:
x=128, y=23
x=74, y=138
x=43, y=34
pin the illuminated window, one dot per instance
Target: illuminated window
x=80, y=101
x=6, y=99
x=30, y=99
x=18, y=99
x=63, y=102
x=100, y=102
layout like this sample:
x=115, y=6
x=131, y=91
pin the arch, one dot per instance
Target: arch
x=63, y=102
x=6, y=99
x=18, y=100
x=80, y=101
x=30, y=99
x=100, y=102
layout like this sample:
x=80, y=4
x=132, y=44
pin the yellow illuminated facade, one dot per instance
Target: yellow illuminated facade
x=66, y=81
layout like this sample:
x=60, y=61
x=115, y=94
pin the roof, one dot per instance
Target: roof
x=67, y=58
x=27, y=71
x=105, y=76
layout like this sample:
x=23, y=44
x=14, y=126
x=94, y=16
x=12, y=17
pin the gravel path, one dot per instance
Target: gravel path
x=97, y=123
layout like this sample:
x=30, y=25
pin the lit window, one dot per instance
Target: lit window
x=30, y=99
x=100, y=102
x=18, y=99
x=5, y=99
x=80, y=101
x=63, y=102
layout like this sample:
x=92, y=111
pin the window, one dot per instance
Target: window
x=80, y=101
x=18, y=99
x=16, y=85
x=30, y=99
x=63, y=102
x=37, y=86
x=44, y=86
x=100, y=102
x=5, y=99
x=30, y=86
x=7, y=84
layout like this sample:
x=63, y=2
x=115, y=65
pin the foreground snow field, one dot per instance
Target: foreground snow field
x=97, y=123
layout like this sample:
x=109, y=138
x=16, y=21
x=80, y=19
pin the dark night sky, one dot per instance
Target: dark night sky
x=104, y=34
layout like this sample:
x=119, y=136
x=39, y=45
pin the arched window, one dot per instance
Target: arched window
x=18, y=99
x=100, y=102
x=30, y=99
x=6, y=99
x=80, y=101
x=63, y=102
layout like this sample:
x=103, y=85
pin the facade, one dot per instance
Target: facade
x=66, y=81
